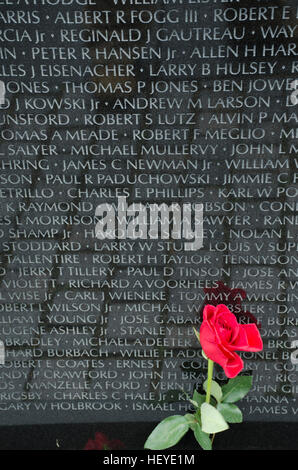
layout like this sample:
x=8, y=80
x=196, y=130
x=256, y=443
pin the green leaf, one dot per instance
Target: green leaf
x=194, y=403
x=191, y=420
x=230, y=412
x=197, y=334
x=215, y=390
x=236, y=388
x=198, y=398
x=212, y=421
x=167, y=433
x=202, y=438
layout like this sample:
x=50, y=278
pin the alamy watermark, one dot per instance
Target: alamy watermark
x=151, y=221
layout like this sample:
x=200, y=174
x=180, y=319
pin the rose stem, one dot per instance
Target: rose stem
x=209, y=380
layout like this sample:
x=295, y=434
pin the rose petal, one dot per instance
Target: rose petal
x=255, y=342
x=211, y=348
x=225, y=317
x=241, y=341
x=233, y=367
x=90, y=445
x=207, y=334
x=221, y=308
x=208, y=312
x=101, y=439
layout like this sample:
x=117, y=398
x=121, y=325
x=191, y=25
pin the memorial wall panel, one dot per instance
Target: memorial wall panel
x=115, y=112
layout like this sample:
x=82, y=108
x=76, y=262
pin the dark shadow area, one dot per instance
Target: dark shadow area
x=245, y=436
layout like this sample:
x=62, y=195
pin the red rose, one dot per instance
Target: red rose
x=101, y=442
x=221, y=335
